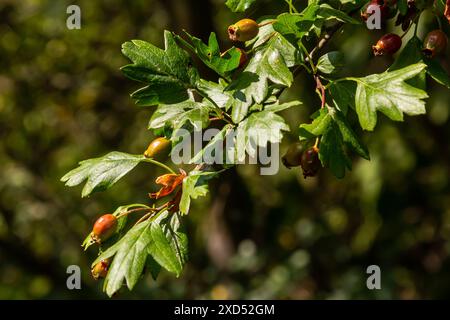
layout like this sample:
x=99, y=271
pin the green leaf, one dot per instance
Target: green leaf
x=165, y=91
x=101, y=173
x=188, y=115
x=194, y=185
x=258, y=129
x=317, y=127
x=209, y=151
x=211, y=56
x=216, y=92
x=411, y=54
x=343, y=94
x=388, y=93
x=239, y=5
x=152, y=266
x=130, y=257
x=327, y=12
x=402, y=6
x=266, y=32
x=437, y=72
x=178, y=114
x=331, y=62
x=277, y=107
x=213, y=152
x=296, y=25
x=168, y=73
x=169, y=243
x=87, y=242
x=271, y=62
x=336, y=136
x=332, y=154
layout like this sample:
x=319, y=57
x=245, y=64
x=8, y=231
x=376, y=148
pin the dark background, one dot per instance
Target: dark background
x=63, y=99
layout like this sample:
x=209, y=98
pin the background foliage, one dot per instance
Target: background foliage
x=63, y=98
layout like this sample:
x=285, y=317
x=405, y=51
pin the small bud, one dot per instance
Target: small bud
x=388, y=44
x=310, y=162
x=100, y=270
x=104, y=227
x=157, y=147
x=243, y=30
x=435, y=42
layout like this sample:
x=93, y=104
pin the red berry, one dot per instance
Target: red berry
x=435, y=42
x=104, y=227
x=310, y=162
x=100, y=270
x=388, y=44
x=243, y=30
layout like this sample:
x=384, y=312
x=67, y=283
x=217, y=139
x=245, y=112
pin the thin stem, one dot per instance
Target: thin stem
x=292, y=9
x=145, y=217
x=125, y=213
x=322, y=91
x=344, y=79
x=308, y=56
x=152, y=214
x=266, y=23
x=159, y=164
x=316, y=144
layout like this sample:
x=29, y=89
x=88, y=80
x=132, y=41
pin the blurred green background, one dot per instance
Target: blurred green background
x=63, y=99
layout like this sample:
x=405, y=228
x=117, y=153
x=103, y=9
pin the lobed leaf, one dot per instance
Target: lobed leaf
x=101, y=173
x=194, y=185
x=390, y=94
x=168, y=73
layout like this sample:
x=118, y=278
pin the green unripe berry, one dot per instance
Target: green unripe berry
x=159, y=146
x=243, y=30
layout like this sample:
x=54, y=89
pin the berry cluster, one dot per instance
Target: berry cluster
x=308, y=159
x=107, y=225
x=435, y=42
